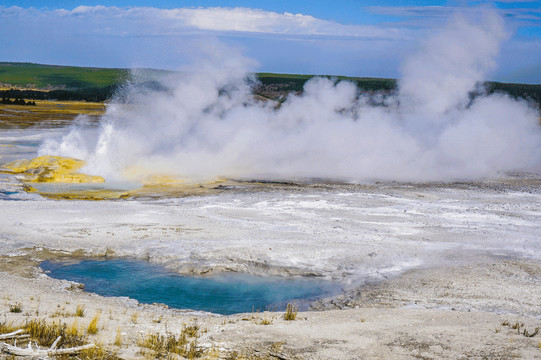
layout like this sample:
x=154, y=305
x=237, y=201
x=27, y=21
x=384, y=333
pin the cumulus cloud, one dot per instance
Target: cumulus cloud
x=254, y=20
x=110, y=36
x=215, y=19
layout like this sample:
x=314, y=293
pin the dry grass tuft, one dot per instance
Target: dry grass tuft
x=134, y=317
x=520, y=326
x=80, y=311
x=118, y=337
x=163, y=346
x=291, y=312
x=15, y=308
x=46, y=333
x=73, y=329
x=98, y=352
x=7, y=327
x=191, y=331
x=93, y=326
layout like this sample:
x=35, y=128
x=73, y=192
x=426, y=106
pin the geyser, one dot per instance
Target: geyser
x=206, y=124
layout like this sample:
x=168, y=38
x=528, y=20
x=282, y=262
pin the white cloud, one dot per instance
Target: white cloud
x=445, y=11
x=113, y=36
x=154, y=21
x=260, y=21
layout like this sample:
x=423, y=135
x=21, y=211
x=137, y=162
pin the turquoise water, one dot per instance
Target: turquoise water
x=223, y=294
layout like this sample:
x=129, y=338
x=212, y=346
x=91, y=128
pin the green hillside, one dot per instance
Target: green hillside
x=51, y=77
x=100, y=84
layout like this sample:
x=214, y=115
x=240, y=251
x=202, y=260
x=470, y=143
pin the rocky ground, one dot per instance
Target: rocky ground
x=465, y=312
x=428, y=271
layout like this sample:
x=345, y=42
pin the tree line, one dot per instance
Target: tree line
x=273, y=87
x=17, y=101
x=90, y=94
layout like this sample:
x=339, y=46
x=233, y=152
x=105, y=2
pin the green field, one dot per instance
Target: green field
x=99, y=84
x=53, y=77
x=56, y=77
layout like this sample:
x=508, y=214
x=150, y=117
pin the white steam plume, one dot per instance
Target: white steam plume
x=208, y=125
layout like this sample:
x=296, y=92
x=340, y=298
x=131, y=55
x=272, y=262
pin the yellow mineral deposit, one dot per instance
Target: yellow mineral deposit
x=174, y=186
x=64, y=170
x=164, y=180
x=52, y=169
x=147, y=177
x=167, y=185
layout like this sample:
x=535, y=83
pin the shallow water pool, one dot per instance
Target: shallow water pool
x=223, y=294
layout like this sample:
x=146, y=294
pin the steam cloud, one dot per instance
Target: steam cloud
x=207, y=123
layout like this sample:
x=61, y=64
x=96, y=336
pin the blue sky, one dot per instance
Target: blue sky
x=344, y=37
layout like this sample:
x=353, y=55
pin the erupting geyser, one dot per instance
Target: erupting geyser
x=206, y=124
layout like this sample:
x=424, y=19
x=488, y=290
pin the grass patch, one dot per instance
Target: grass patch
x=60, y=77
x=80, y=311
x=265, y=321
x=15, y=308
x=46, y=333
x=521, y=329
x=291, y=312
x=7, y=328
x=73, y=329
x=163, y=346
x=93, y=326
x=118, y=338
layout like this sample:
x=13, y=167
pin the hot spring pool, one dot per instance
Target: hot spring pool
x=223, y=294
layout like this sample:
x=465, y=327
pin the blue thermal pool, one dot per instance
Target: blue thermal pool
x=223, y=294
